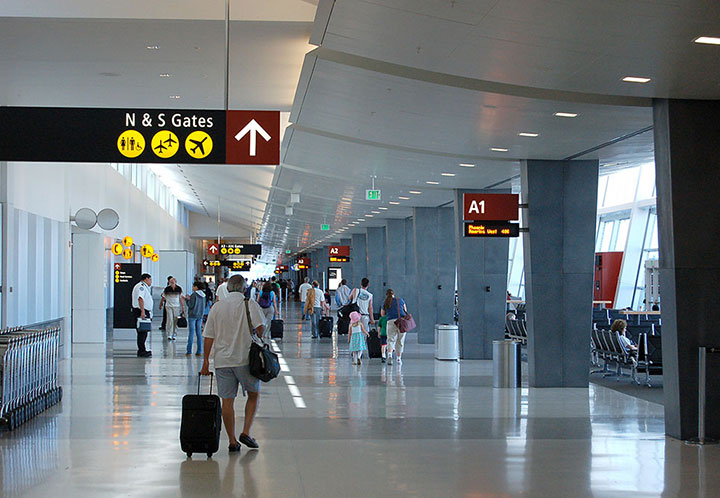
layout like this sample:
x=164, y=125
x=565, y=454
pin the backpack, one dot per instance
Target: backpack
x=265, y=300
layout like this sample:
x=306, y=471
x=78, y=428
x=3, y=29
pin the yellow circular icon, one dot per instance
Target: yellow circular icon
x=198, y=144
x=147, y=250
x=223, y=250
x=128, y=254
x=165, y=144
x=155, y=257
x=117, y=249
x=131, y=143
x=128, y=241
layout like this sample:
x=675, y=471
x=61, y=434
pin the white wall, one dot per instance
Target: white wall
x=202, y=227
x=88, y=305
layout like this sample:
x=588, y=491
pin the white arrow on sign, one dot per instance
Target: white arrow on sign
x=253, y=128
x=213, y=250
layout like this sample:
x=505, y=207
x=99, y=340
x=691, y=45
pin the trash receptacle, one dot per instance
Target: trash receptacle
x=506, y=364
x=447, y=344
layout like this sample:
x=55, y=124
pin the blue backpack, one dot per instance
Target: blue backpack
x=265, y=300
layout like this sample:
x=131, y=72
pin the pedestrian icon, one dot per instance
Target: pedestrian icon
x=147, y=251
x=128, y=253
x=165, y=144
x=198, y=145
x=131, y=143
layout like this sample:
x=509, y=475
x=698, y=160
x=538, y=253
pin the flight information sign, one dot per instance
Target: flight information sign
x=339, y=259
x=491, y=229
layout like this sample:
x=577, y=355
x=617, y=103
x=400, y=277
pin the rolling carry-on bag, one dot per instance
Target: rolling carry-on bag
x=343, y=326
x=326, y=325
x=373, y=344
x=201, y=422
x=277, y=327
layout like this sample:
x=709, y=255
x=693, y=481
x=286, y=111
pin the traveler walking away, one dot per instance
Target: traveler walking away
x=342, y=294
x=315, y=306
x=142, y=305
x=196, y=310
x=303, y=290
x=356, y=338
x=268, y=301
x=364, y=299
x=221, y=292
x=162, y=306
x=228, y=339
x=394, y=308
x=382, y=324
x=174, y=307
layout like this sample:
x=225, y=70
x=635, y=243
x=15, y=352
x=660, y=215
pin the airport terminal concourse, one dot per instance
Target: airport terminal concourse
x=318, y=248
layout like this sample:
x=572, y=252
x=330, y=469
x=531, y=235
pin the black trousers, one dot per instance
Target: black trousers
x=162, y=326
x=141, y=334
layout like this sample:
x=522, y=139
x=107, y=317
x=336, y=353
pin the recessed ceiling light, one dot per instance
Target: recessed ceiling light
x=707, y=40
x=498, y=149
x=383, y=208
x=566, y=114
x=394, y=203
x=404, y=198
x=416, y=192
x=174, y=97
x=153, y=47
x=369, y=215
x=467, y=165
x=635, y=79
x=447, y=174
x=528, y=134
x=361, y=219
x=431, y=183
x=375, y=212
x=165, y=75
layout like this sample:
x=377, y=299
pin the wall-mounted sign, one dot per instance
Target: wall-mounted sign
x=127, y=253
x=117, y=249
x=482, y=207
x=126, y=276
x=127, y=241
x=338, y=259
x=147, y=251
x=339, y=251
x=372, y=195
x=155, y=258
x=141, y=135
x=491, y=229
x=324, y=227
x=244, y=249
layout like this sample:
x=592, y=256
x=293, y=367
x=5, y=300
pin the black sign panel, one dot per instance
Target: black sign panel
x=236, y=265
x=244, y=249
x=112, y=135
x=125, y=276
x=491, y=229
x=338, y=259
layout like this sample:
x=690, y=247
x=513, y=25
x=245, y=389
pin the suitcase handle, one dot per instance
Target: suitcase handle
x=211, y=381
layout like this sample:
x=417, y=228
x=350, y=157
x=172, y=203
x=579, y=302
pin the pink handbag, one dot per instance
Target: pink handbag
x=404, y=323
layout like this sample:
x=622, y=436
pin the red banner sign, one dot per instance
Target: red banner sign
x=341, y=251
x=497, y=207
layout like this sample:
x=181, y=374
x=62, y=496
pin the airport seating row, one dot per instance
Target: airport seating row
x=607, y=348
x=516, y=330
x=603, y=317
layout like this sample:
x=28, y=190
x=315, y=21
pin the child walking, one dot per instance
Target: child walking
x=357, y=337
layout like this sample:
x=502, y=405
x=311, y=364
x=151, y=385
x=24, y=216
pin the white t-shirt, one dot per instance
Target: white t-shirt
x=141, y=290
x=319, y=297
x=227, y=325
x=363, y=299
x=222, y=292
x=172, y=299
x=304, y=287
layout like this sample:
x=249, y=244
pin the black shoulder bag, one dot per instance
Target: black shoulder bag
x=263, y=363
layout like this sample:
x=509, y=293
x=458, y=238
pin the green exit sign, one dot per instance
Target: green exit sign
x=324, y=228
x=372, y=195
x=287, y=251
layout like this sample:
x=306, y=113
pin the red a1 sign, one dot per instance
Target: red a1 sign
x=496, y=207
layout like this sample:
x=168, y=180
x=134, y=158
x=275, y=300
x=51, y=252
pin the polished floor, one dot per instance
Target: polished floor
x=328, y=428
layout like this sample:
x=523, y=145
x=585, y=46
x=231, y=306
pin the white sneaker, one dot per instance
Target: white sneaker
x=399, y=360
x=389, y=359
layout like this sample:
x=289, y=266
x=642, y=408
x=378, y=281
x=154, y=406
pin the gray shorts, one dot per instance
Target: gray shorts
x=228, y=379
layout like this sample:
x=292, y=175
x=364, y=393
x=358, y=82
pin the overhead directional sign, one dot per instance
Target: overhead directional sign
x=244, y=249
x=481, y=207
x=339, y=251
x=100, y=135
x=213, y=249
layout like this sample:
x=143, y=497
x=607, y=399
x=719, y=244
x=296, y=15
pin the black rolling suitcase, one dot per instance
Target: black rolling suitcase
x=277, y=328
x=326, y=325
x=373, y=344
x=201, y=422
x=343, y=326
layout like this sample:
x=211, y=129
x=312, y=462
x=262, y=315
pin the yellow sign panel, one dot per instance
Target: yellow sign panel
x=165, y=144
x=128, y=254
x=155, y=257
x=128, y=241
x=147, y=251
x=117, y=249
x=198, y=144
x=131, y=143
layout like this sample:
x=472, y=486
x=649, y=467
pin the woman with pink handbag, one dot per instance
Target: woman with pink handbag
x=399, y=321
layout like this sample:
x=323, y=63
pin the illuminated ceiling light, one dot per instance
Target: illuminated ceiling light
x=433, y=183
x=447, y=174
x=497, y=149
x=175, y=97
x=370, y=215
x=707, y=40
x=394, y=203
x=528, y=134
x=635, y=79
x=566, y=114
x=375, y=212
x=404, y=198
x=416, y=192
x=361, y=219
x=152, y=47
x=467, y=165
x=383, y=208
x=165, y=75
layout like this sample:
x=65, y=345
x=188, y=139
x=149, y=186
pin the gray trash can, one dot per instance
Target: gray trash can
x=506, y=364
x=447, y=343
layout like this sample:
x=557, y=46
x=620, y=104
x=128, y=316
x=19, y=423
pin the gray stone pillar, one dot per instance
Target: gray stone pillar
x=323, y=260
x=687, y=152
x=347, y=273
x=411, y=281
x=482, y=265
x=396, y=249
x=559, y=251
x=377, y=264
x=434, y=240
x=358, y=253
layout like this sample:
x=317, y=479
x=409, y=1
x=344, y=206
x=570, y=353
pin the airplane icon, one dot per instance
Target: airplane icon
x=199, y=145
x=160, y=147
x=169, y=140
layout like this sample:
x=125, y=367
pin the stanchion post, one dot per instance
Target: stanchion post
x=702, y=398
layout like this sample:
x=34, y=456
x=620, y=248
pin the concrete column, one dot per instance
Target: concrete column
x=411, y=283
x=434, y=240
x=377, y=264
x=396, y=249
x=358, y=252
x=482, y=266
x=559, y=251
x=687, y=158
x=346, y=267
x=323, y=260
